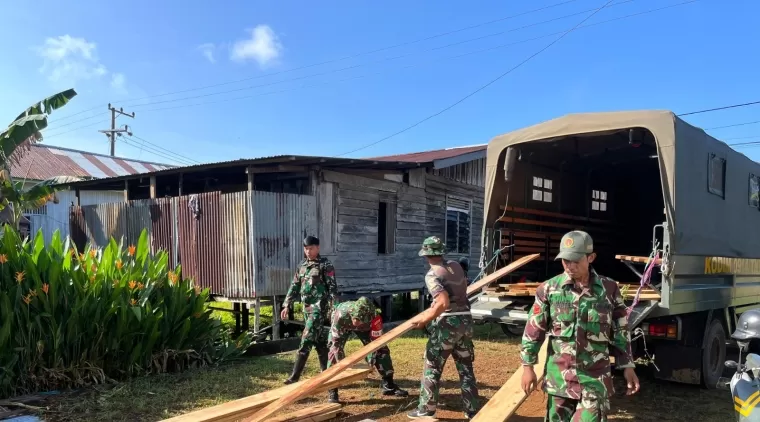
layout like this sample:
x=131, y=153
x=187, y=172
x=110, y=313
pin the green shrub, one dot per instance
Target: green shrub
x=69, y=319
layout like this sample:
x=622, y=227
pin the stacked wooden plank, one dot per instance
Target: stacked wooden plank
x=529, y=289
x=238, y=409
x=318, y=413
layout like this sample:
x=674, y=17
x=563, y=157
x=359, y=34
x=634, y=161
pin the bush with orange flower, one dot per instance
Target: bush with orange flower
x=70, y=319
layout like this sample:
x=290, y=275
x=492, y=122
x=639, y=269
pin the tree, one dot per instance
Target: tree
x=15, y=141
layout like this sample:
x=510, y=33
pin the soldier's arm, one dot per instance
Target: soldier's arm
x=332, y=285
x=441, y=299
x=293, y=291
x=535, y=329
x=621, y=336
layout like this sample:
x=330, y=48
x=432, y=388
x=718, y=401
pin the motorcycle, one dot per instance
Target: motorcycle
x=744, y=385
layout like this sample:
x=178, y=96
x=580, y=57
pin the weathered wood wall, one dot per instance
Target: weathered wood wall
x=420, y=211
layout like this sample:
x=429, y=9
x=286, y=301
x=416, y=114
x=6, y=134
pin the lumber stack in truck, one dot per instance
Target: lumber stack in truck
x=510, y=396
x=238, y=409
x=529, y=289
x=303, y=390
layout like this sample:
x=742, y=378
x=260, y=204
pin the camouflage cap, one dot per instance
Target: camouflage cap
x=432, y=246
x=363, y=310
x=574, y=246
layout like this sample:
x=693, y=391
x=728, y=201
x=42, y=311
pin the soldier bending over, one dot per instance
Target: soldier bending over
x=360, y=317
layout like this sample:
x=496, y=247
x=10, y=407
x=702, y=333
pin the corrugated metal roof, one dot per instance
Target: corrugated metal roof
x=429, y=156
x=43, y=162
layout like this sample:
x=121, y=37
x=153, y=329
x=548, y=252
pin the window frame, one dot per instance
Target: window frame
x=462, y=210
x=543, y=189
x=716, y=191
x=756, y=179
x=600, y=197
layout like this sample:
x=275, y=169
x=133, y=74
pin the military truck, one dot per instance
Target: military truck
x=646, y=185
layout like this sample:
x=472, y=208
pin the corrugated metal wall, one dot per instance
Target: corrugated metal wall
x=280, y=222
x=471, y=172
x=54, y=217
x=239, y=245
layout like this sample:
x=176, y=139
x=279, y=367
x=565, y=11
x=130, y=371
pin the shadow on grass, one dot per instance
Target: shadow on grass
x=158, y=397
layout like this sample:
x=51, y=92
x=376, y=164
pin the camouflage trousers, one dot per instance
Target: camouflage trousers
x=336, y=342
x=449, y=336
x=563, y=409
x=314, y=333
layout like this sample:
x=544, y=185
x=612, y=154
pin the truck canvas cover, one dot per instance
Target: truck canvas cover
x=700, y=223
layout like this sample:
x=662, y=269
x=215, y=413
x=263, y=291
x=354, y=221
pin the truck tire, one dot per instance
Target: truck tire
x=713, y=354
x=512, y=331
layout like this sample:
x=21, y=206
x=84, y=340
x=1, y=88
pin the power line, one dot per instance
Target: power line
x=425, y=61
x=734, y=125
x=132, y=142
x=482, y=87
x=719, y=108
x=75, y=129
x=386, y=59
x=145, y=141
x=377, y=50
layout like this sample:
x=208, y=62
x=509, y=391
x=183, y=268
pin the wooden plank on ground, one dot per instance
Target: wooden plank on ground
x=318, y=413
x=238, y=409
x=359, y=355
x=510, y=396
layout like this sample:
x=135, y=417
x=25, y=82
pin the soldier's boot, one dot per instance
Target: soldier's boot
x=391, y=389
x=298, y=366
x=332, y=396
x=420, y=414
x=322, y=355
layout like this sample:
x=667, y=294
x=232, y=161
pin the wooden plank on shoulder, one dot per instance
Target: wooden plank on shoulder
x=373, y=346
x=510, y=396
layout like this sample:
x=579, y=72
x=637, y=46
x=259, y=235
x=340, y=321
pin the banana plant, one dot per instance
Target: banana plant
x=15, y=141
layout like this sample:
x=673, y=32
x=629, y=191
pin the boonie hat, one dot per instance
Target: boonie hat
x=574, y=246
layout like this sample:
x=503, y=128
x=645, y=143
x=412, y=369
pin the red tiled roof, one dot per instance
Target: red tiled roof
x=43, y=162
x=428, y=156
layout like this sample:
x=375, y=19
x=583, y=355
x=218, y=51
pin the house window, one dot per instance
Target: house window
x=754, y=191
x=716, y=175
x=542, y=189
x=457, y=226
x=386, y=228
x=599, y=200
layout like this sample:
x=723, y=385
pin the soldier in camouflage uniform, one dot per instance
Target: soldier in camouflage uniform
x=314, y=282
x=586, y=319
x=362, y=318
x=450, y=331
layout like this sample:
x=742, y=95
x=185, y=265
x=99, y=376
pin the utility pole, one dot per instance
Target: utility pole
x=113, y=132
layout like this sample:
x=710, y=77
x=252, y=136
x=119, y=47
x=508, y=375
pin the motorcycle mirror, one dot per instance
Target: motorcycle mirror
x=731, y=364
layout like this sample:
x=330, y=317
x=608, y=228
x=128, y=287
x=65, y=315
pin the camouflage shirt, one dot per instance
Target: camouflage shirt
x=314, y=282
x=449, y=278
x=585, y=328
x=344, y=313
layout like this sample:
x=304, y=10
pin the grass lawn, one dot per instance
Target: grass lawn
x=157, y=397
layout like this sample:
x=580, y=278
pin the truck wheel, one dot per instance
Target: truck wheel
x=511, y=330
x=713, y=354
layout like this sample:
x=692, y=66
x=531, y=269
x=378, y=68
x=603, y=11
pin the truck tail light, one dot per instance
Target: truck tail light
x=662, y=330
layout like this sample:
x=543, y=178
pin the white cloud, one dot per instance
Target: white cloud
x=119, y=82
x=263, y=46
x=68, y=59
x=207, y=50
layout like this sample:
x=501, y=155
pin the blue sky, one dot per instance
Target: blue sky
x=690, y=57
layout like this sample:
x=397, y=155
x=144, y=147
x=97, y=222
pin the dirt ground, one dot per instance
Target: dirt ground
x=159, y=397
